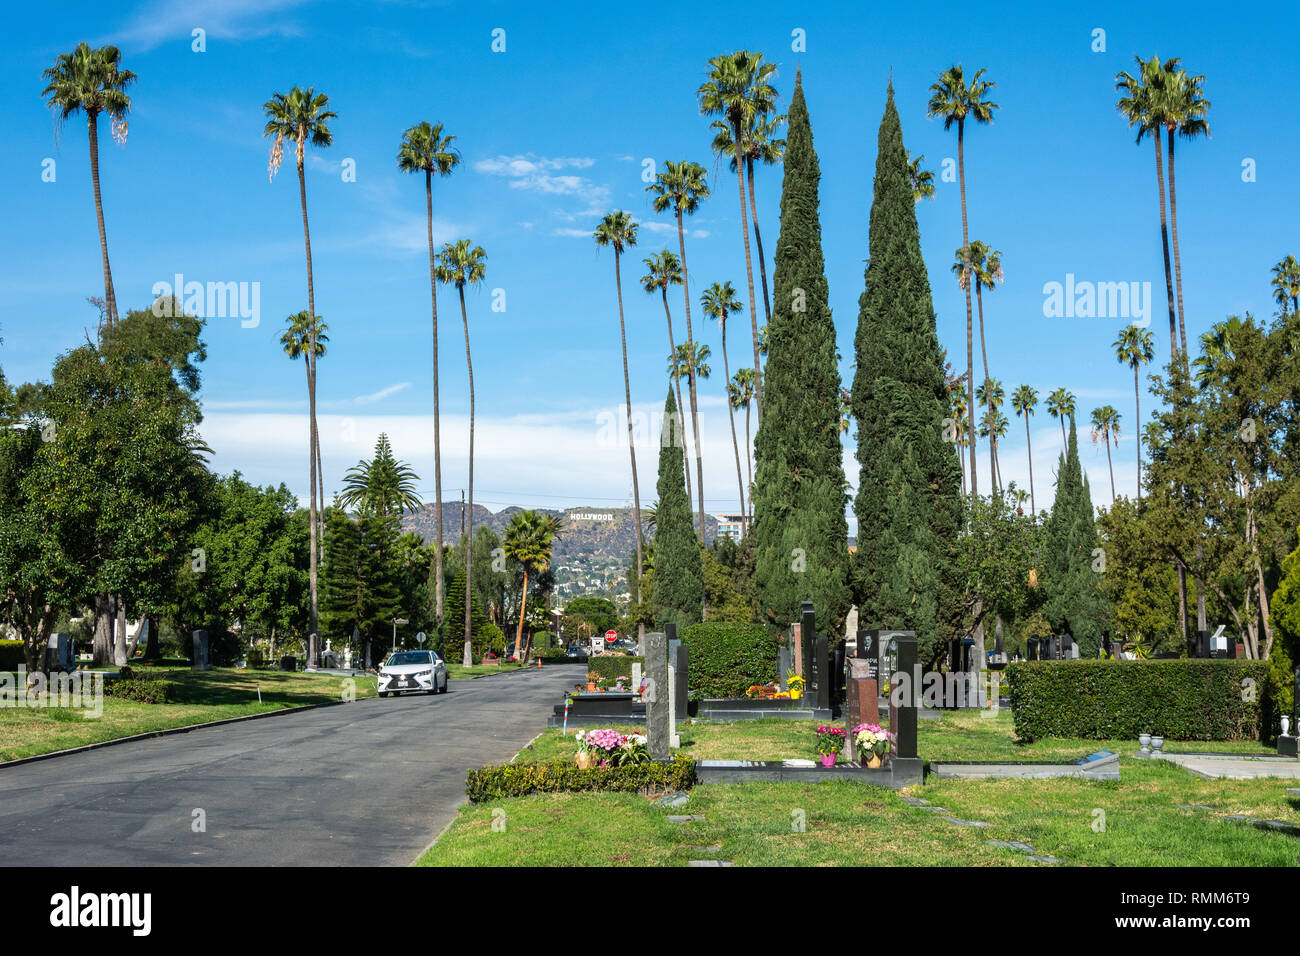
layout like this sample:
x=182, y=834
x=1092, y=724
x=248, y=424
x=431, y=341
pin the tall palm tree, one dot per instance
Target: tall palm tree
x=719, y=301
x=529, y=539
x=958, y=101
x=1144, y=104
x=1024, y=400
x=93, y=82
x=983, y=264
x=1286, y=284
x=618, y=231
x=680, y=362
x=922, y=179
x=740, y=394
x=1060, y=405
x=460, y=265
x=295, y=340
x=681, y=187
x=302, y=116
x=381, y=487
x=427, y=150
x=990, y=394
x=1105, y=428
x=1134, y=348
x=1185, y=114
x=738, y=90
x=662, y=270
x=764, y=146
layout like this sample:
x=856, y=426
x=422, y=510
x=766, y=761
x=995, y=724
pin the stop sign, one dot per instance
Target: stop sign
x=611, y=637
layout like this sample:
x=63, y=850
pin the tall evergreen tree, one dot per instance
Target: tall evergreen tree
x=679, y=579
x=1075, y=602
x=454, y=612
x=800, y=530
x=909, y=491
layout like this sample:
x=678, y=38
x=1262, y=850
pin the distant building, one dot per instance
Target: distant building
x=731, y=526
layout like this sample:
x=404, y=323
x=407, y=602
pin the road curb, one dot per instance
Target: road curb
x=169, y=732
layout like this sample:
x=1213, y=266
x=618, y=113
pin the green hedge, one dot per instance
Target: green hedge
x=727, y=658
x=11, y=655
x=1177, y=699
x=140, y=690
x=612, y=666
x=521, y=779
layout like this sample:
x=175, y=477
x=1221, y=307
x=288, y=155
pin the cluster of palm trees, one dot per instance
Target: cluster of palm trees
x=302, y=116
x=740, y=94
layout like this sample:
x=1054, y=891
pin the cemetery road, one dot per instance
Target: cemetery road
x=363, y=784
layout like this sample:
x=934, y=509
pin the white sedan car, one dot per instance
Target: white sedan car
x=413, y=671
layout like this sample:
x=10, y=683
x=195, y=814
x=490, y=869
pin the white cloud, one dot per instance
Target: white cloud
x=165, y=21
x=381, y=394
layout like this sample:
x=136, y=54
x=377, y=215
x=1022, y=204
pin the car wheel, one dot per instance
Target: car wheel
x=383, y=693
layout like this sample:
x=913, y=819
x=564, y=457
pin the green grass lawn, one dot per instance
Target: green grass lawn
x=460, y=671
x=199, y=696
x=1146, y=816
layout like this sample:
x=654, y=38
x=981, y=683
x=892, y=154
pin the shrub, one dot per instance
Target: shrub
x=727, y=657
x=1178, y=699
x=142, y=691
x=11, y=655
x=488, y=637
x=255, y=658
x=521, y=779
x=612, y=666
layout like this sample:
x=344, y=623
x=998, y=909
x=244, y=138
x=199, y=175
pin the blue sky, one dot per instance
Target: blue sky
x=553, y=133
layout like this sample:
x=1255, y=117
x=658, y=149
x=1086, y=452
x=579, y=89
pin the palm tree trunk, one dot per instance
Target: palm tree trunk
x=469, y=514
x=523, y=603
x=1164, y=243
x=437, y=438
x=631, y=450
x=988, y=392
x=110, y=298
x=1064, y=443
x=749, y=458
x=970, y=319
x=1029, y=453
x=731, y=413
x=313, y=638
x=758, y=239
x=677, y=387
x=749, y=275
x=690, y=370
x=1137, y=410
x=1110, y=464
x=1178, y=266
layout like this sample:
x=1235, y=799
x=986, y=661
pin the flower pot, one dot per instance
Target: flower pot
x=591, y=686
x=874, y=760
x=586, y=760
x=828, y=760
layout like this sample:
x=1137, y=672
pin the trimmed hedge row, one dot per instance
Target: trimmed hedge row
x=612, y=666
x=143, y=691
x=727, y=658
x=1177, y=699
x=11, y=655
x=521, y=779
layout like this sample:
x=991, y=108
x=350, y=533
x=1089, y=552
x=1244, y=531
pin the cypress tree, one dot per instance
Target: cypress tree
x=800, y=530
x=1074, y=603
x=678, y=594
x=908, y=504
x=453, y=636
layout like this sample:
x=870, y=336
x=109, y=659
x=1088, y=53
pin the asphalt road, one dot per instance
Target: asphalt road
x=363, y=784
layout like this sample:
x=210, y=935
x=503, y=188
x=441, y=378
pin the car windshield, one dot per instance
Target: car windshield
x=410, y=657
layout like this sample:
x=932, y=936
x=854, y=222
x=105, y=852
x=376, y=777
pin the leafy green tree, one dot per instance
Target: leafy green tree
x=382, y=486
x=425, y=149
x=92, y=81
x=1139, y=582
x=600, y=613
x=994, y=559
x=679, y=596
x=1075, y=602
x=529, y=539
x=800, y=531
x=362, y=591
x=908, y=503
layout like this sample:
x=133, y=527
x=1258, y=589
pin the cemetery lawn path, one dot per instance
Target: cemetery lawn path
x=365, y=783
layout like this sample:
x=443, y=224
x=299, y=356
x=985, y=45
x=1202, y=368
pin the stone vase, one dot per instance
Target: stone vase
x=1144, y=741
x=1286, y=726
x=1157, y=743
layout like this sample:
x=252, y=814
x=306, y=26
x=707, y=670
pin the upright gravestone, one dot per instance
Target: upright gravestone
x=862, y=693
x=58, y=652
x=681, y=699
x=903, y=694
x=794, y=648
x=837, y=674
x=783, y=667
x=1031, y=648
x=657, y=693
x=804, y=647
x=821, y=658
x=636, y=677
x=201, y=660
